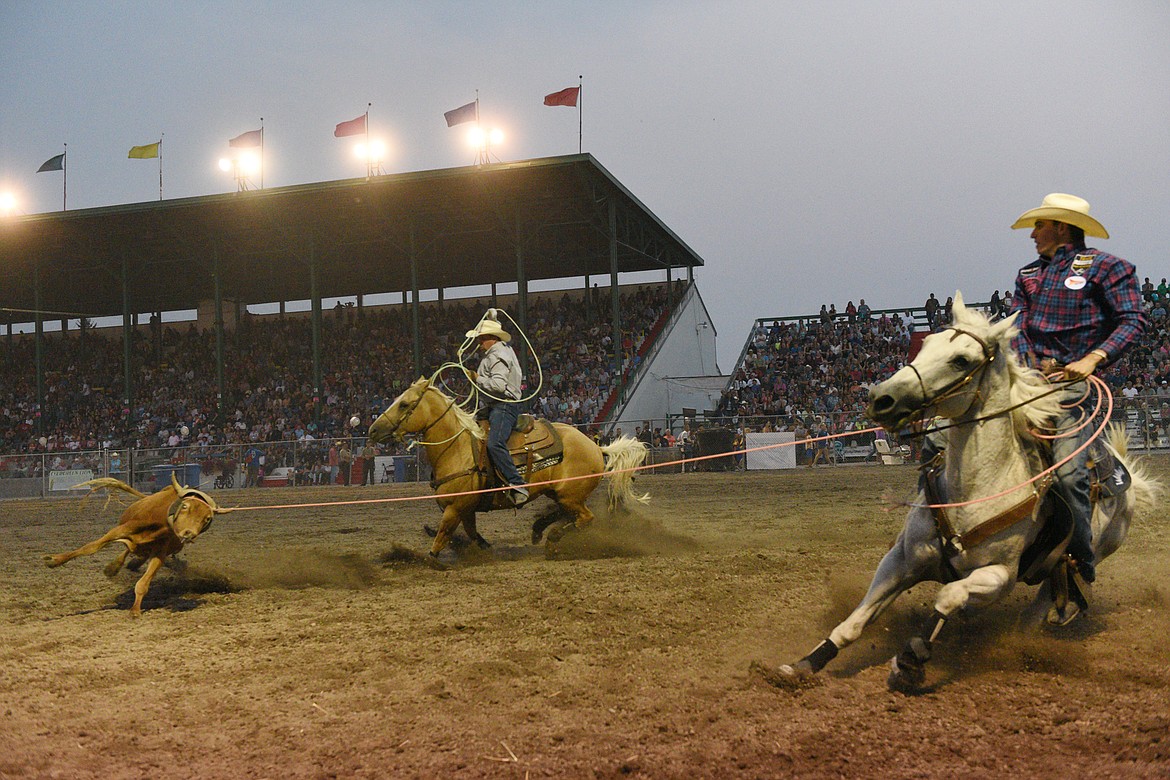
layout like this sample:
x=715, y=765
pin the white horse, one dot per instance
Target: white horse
x=968, y=374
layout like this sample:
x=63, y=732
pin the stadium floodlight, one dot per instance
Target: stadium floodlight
x=482, y=140
x=249, y=163
x=241, y=166
x=372, y=154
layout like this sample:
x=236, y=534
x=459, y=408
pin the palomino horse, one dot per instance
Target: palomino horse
x=453, y=439
x=969, y=375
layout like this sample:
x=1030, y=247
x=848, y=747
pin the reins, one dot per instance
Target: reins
x=990, y=354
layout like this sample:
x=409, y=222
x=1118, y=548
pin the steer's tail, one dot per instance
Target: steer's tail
x=620, y=456
x=110, y=484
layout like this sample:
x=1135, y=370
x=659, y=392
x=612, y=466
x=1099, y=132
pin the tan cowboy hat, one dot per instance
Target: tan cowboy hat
x=1059, y=207
x=489, y=327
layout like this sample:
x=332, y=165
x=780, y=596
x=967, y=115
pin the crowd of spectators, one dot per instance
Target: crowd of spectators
x=814, y=371
x=811, y=375
x=367, y=360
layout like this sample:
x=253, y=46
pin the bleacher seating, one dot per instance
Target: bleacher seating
x=367, y=361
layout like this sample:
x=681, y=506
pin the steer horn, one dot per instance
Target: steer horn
x=182, y=492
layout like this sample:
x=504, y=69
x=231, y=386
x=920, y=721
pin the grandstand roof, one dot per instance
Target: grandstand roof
x=463, y=225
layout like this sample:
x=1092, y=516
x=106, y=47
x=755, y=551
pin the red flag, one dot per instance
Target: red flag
x=250, y=138
x=566, y=97
x=352, y=127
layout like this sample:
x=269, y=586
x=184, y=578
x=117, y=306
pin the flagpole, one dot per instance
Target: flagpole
x=160, y=179
x=65, y=177
x=580, y=109
x=368, y=172
x=261, y=152
x=480, y=156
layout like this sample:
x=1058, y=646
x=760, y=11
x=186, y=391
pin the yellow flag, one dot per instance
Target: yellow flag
x=144, y=152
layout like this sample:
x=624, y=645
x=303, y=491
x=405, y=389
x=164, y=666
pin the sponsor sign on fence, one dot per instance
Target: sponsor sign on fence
x=775, y=458
x=69, y=478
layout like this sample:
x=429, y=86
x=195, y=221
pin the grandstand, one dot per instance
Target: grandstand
x=261, y=321
x=403, y=263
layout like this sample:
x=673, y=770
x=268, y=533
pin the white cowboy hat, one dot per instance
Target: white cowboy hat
x=488, y=327
x=1060, y=207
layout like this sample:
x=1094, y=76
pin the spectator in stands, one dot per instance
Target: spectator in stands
x=369, y=453
x=334, y=462
x=1079, y=308
x=345, y=463
x=863, y=310
x=931, y=307
x=252, y=467
x=685, y=444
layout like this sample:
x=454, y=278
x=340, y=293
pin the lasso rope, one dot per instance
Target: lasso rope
x=1104, y=396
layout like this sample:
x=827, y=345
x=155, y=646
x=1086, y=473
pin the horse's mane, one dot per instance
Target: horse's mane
x=1028, y=389
x=465, y=418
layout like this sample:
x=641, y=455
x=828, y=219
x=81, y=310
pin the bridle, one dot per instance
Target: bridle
x=410, y=408
x=953, y=389
x=958, y=386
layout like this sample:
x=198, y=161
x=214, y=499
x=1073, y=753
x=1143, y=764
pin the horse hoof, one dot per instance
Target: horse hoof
x=1062, y=617
x=787, y=677
x=908, y=668
x=482, y=543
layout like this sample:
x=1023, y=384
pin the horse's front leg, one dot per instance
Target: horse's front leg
x=979, y=589
x=901, y=568
x=451, y=518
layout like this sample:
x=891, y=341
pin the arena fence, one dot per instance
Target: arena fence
x=290, y=463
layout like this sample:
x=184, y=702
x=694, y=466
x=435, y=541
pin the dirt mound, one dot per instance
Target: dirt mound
x=621, y=535
x=307, y=568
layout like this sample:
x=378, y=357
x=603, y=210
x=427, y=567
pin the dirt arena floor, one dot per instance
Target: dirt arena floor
x=311, y=643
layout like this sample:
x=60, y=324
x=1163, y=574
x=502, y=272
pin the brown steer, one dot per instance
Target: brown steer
x=153, y=527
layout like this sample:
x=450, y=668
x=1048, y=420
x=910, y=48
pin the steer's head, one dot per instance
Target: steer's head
x=191, y=512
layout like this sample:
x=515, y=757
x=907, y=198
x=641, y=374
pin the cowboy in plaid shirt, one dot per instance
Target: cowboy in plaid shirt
x=1078, y=308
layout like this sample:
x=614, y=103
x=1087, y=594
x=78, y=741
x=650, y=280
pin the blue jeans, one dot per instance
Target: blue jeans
x=502, y=419
x=1072, y=479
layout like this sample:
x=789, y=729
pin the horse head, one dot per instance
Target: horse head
x=397, y=419
x=948, y=377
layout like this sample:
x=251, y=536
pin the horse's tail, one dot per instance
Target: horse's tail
x=1146, y=489
x=621, y=456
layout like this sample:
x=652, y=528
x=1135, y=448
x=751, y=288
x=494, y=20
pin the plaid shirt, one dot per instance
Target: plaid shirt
x=1078, y=301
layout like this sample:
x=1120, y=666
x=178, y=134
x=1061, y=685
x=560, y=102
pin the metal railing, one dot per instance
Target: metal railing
x=208, y=467
x=290, y=463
